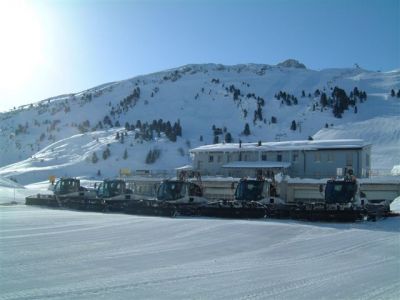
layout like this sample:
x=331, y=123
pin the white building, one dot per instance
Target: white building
x=304, y=159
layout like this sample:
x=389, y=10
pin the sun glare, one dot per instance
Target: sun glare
x=21, y=44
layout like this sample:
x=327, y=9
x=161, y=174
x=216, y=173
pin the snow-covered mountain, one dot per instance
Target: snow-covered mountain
x=151, y=121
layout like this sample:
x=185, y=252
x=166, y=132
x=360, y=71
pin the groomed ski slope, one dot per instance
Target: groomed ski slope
x=61, y=254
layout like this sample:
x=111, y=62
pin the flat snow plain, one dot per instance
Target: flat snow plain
x=63, y=254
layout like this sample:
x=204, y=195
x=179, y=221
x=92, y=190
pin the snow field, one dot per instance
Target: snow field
x=62, y=254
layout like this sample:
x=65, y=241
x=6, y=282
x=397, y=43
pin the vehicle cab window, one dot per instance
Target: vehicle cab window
x=195, y=190
x=57, y=186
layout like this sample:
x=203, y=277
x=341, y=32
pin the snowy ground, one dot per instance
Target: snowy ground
x=61, y=254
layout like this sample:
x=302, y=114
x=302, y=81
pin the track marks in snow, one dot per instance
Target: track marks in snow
x=55, y=254
x=316, y=281
x=106, y=286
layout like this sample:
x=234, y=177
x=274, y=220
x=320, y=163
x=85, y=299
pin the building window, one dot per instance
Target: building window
x=331, y=157
x=245, y=157
x=264, y=157
x=228, y=157
x=211, y=158
x=219, y=158
x=349, y=159
x=295, y=156
x=317, y=157
x=279, y=157
x=199, y=164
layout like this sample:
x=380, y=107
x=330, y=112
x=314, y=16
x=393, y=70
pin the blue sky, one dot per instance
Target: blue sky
x=74, y=45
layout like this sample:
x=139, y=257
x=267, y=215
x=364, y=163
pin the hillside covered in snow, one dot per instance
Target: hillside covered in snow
x=151, y=121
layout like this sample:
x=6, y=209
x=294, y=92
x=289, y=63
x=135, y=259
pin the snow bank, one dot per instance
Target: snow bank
x=5, y=182
x=11, y=192
x=14, y=193
x=395, y=205
x=395, y=170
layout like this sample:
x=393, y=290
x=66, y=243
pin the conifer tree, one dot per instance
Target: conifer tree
x=323, y=100
x=149, y=157
x=216, y=139
x=246, y=130
x=95, y=159
x=293, y=126
x=106, y=153
x=228, y=138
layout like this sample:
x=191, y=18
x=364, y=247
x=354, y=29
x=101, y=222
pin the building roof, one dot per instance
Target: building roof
x=257, y=164
x=284, y=146
x=185, y=168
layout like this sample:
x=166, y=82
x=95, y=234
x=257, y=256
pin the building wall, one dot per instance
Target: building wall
x=304, y=164
x=325, y=163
